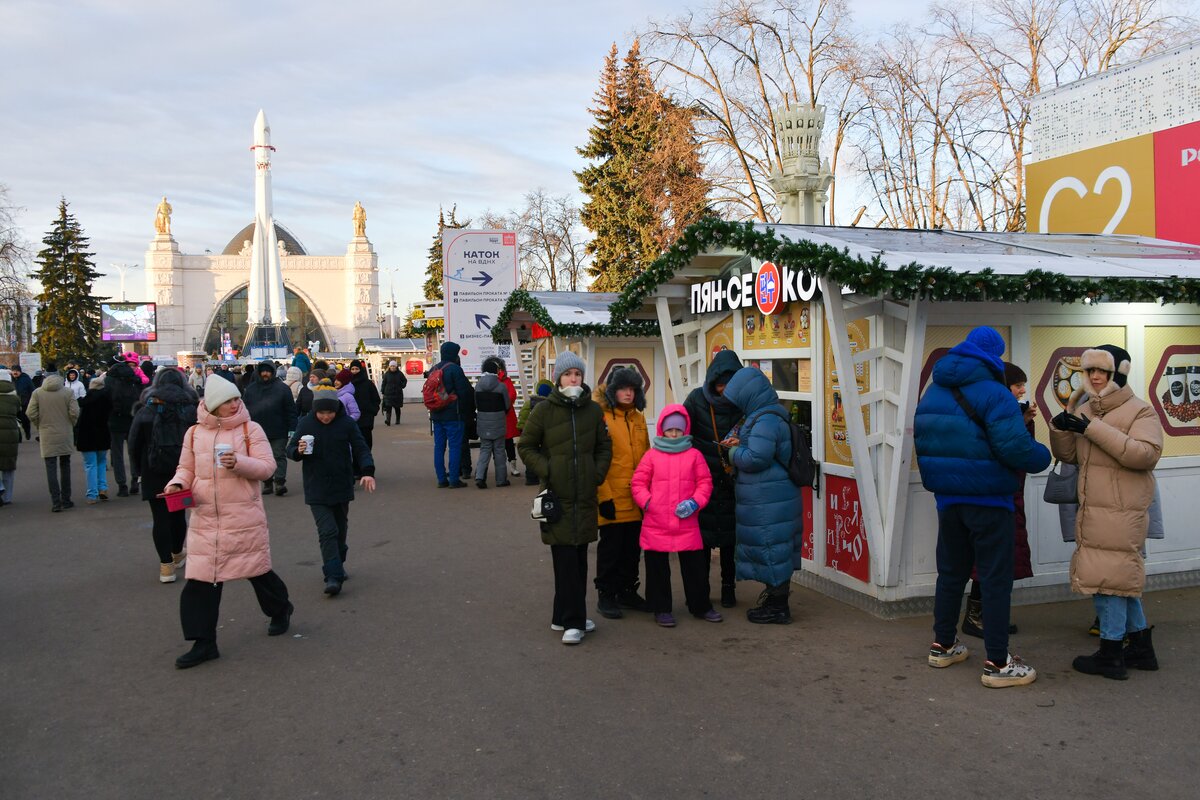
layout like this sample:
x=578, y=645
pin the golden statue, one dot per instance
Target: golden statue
x=360, y=220
x=162, y=218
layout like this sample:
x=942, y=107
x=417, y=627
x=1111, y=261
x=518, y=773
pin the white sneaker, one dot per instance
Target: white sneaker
x=942, y=657
x=512, y=468
x=573, y=636
x=1015, y=673
x=588, y=627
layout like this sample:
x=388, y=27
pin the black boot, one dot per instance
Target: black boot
x=772, y=608
x=632, y=600
x=1108, y=661
x=972, y=624
x=728, y=596
x=1140, y=652
x=608, y=606
x=280, y=624
x=280, y=488
x=122, y=490
x=135, y=487
x=268, y=488
x=202, y=650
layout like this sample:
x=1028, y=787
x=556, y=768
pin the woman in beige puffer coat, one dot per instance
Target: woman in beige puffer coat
x=227, y=533
x=1116, y=440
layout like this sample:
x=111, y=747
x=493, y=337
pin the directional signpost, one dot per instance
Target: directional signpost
x=479, y=272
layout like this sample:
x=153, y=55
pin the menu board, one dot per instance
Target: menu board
x=789, y=327
x=1173, y=385
x=846, y=547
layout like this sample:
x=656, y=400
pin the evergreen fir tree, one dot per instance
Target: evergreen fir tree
x=644, y=183
x=68, y=312
x=433, y=272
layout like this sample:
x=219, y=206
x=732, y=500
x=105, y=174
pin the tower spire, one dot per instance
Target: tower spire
x=266, y=310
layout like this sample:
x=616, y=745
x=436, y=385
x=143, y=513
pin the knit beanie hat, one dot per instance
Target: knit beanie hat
x=325, y=398
x=987, y=340
x=674, y=420
x=567, y=360
x=544, y=388
x=344, y=377
x=217, y=390
x=356, y=363
x=1110, y=358
x=1014, y=375
x=392, y=363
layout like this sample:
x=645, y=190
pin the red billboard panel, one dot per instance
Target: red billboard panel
x=1177, y=183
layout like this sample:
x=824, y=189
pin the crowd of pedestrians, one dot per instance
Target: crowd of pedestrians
x=716, y=475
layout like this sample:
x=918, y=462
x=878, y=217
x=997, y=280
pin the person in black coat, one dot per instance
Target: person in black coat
x=169, y=402
x=712, y=417
x=339, y=454
x=124, y=388
x=305, y=398
x=367, y=397
x=270, y=404
x=92, y=439
x=394, y=382
x=24, y=387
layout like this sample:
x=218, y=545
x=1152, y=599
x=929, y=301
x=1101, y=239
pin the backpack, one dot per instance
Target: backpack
x=802, y=469
x=166, y=436
x=434, y=393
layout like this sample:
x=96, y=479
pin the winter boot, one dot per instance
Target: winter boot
x=135, y=487
x=1108, y=661
x=202, y=650
x=972, y=624
x=122, y=490
x=279, y=624
x=772, y=608
x=728, y=596
x=608, y=606
x=632, y=600
x=268, y=488
x=280, y=488
x=1140, y=652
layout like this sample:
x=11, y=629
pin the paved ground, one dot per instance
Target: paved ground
x=435, y=675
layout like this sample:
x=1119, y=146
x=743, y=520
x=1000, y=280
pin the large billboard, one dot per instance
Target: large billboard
x=128, y=322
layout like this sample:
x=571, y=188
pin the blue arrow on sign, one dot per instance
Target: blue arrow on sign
x=483, y=278
x=481, y=321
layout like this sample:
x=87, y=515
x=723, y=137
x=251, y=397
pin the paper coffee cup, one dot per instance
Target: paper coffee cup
x=308, y=440
x=220, y=450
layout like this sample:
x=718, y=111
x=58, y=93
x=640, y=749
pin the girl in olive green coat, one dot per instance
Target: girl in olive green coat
x=566, y=442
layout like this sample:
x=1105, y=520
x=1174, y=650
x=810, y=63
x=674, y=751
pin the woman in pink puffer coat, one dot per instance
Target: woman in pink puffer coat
x=670, y=484
x=227, y=533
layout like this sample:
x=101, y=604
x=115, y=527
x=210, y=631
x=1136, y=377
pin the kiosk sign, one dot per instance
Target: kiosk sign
x=479, y=272
x=768, y=289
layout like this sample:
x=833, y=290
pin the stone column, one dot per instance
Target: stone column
x=362, y=293
x=801, y=185
x=164, y=286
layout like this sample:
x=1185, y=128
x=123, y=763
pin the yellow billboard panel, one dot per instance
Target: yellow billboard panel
x=1108, y=189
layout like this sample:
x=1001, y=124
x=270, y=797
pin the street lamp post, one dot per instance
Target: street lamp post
x=122, y=269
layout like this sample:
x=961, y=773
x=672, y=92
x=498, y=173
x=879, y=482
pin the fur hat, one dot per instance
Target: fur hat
x=1110, y=358
x=217, y=390
x=325, y=398
x=567, y=360
x=625, y=378
x=1014, y=375
x=96, y=382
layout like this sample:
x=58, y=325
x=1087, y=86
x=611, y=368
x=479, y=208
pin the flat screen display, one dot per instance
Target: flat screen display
x=128, y=322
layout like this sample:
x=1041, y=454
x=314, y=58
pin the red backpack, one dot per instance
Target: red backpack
x=434, y=393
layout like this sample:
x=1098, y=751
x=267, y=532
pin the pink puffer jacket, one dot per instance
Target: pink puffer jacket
x=227, y=532
x=664, y=480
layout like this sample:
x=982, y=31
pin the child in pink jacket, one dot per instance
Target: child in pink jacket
x=670, y=485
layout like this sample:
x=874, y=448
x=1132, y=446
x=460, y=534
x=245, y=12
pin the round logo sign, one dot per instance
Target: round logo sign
x=768, y=288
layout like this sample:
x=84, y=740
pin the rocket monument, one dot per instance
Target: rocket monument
x=266, y=310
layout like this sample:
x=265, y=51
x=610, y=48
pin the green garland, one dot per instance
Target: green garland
x=521, y=299
x=870, y=277
x=912, y=280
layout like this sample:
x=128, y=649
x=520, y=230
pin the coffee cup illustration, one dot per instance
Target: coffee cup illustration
x=1068, y=376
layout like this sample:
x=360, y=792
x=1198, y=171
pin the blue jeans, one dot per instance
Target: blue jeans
x=447, y=436
x=983, y=536
x=1119, y=616
x=95, y=467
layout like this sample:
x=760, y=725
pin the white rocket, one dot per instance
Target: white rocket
x=265, y=301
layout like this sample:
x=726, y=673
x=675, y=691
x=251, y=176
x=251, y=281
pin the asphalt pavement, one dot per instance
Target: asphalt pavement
x=435, y=675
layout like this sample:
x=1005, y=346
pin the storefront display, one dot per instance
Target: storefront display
x=837, y=442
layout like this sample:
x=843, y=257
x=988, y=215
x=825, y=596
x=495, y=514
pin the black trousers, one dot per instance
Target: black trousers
x=693, y=569
x=618, y=557
x=117, y=448
x=279, y=453
x=979, y=536
x=170, y=530
x=570, y=585
x=333, y=523
x=58, y=478
x=510, y=449
x=728, y=564
x=369, y=435
x=388, y=408
x=200, y=604
x=24, y=420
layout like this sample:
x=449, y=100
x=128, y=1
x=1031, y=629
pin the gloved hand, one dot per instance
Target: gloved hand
x=1072, y=423
x=686, y=508
x=608, y=510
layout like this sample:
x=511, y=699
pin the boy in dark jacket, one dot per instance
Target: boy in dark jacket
x=338, y=451
x=271, y=405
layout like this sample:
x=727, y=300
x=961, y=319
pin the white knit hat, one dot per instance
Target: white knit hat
x=217, y=390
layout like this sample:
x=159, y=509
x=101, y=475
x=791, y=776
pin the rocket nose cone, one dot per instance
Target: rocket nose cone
x=262, y=130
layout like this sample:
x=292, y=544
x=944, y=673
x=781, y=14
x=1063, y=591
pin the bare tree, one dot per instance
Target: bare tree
x=15, y=298
x=551, y=241
x=737, y=62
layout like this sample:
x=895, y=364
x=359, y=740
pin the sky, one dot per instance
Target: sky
x=403, y=106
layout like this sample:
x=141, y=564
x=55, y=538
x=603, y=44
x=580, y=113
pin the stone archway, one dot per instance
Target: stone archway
x=304, y=324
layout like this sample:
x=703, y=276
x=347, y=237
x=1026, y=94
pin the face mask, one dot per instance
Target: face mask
x=572, y=392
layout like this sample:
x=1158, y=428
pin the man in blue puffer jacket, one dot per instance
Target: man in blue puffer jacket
x=971, y=442
x=767, y=509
